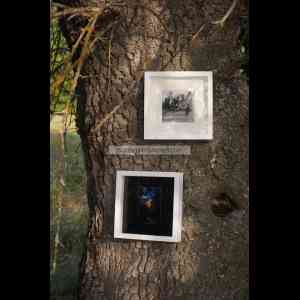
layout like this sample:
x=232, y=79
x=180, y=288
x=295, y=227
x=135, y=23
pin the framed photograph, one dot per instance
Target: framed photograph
x=148, y=206
x=178, y=105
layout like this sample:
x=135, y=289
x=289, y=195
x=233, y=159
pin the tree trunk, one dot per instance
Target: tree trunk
x=211, y=262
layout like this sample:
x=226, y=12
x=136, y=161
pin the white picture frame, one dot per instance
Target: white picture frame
x=177, y=206
x=195, y=122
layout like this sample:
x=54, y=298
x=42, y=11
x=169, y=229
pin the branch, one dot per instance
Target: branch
x=197, y=33
x=78, y=64
x=85, y=51
x=230, y=10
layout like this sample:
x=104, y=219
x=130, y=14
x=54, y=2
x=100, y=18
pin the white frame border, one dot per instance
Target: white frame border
x=151, y=135
x=177, y=206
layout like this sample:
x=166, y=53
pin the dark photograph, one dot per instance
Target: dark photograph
x=148, y=205
x=177, y=106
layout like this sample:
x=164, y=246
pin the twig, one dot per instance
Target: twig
x=108, y=116
x=109, y=61
x=60, y=78
x=128, y=96
x=59, y=198
x=197, y=33
x=84, y=52
x=84, y=30
x=230, y=10
x=101, y=34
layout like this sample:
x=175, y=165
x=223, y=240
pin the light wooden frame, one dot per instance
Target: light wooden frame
x=177, y=206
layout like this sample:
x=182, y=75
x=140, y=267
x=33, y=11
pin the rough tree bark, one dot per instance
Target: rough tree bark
x=211, y=262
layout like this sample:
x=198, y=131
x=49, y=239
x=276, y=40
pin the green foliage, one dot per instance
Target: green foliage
x=63, y=284
x=59, y=53
x=65, y=66
x=74, y=217
x=75, y=170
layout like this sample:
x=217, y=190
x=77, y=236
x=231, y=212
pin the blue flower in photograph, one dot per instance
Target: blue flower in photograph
x=148, y=195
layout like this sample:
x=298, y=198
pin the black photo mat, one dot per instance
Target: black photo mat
x=148, y=205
